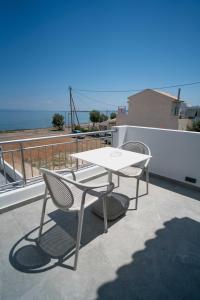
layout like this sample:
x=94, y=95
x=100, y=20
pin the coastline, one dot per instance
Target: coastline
x=23, y=133
x=12, y=120
x=37, y=132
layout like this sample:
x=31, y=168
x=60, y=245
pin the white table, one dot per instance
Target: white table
x=112, y=159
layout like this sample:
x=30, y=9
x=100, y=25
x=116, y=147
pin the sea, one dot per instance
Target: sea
x=26, y=119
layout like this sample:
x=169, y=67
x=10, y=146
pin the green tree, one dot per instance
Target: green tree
x=94, y=116
x=113, y=115
x=103, y=117
x=195, y=126
x=58, y=121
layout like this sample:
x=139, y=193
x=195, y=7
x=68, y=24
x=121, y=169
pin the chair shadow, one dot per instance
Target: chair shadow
x=57, y=244
x=134, y=197
x=167, y=268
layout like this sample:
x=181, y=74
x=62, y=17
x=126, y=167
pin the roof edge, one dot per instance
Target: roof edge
x=172, y=97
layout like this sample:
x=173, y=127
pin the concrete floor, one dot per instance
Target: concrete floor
x=151, y=253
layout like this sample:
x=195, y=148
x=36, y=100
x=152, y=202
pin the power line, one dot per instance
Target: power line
x=137, y=90
x=93, y=99
x=82, y=101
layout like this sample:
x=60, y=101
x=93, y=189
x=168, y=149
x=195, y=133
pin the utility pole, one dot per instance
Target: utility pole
x=179, y=93
x=73, y=112
x=65, y=118
x=177, y=112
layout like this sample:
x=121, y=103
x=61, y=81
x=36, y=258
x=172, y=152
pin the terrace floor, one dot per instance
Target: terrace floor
x=151, y=253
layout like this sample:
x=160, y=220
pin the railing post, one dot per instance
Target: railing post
x=76, y=152
x=3, y=164
x=22, y=162
x=111, y=138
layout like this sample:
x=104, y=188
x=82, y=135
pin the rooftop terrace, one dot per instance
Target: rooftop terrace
x=152, y=252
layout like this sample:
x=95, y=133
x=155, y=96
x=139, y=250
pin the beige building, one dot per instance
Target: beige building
x=151, y=108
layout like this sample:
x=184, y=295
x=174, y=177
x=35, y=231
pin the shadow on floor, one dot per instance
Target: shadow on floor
x=168, y=267
x=57, y=243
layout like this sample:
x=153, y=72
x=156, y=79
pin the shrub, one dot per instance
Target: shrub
x=82, y=129
x=113, y=115
x=58, y=121
x=195, y=126
x=94, y=116
x=77, y=127
x=103, y=117
x=93, y=129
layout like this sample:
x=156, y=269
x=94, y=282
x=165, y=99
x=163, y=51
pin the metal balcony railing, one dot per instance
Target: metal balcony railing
x=21, y=160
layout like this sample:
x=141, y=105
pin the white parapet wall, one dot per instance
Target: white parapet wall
x=11, y=172
x=35, y=191
x=175, y=154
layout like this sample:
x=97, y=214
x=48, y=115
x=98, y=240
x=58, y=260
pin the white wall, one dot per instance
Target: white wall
x=25, y=195
x=119, y=136
x=184, y=123
x=175, y=154
x=14, y=174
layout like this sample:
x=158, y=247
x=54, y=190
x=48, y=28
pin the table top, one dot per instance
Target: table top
x=111, y=158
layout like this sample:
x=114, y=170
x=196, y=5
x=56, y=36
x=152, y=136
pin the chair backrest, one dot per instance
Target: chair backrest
x=59, y=190
x=139, y=147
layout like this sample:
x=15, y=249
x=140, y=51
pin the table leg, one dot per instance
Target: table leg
x=109, y=180
x=109, y=176
x=105, y=214
x=112, y=206
x=105, y=203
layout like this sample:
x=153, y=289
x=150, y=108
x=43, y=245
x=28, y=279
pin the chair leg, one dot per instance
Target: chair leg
x=118, y=180
x=79, y=232
x=137, y=191
x=42, y=216
x=147, y=180
x=105, y=214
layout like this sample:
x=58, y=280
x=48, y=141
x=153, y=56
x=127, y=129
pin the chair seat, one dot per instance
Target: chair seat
x=130, y=172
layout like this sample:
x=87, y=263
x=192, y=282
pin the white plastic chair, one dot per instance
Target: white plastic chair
x=136, y=171
x=62, y=192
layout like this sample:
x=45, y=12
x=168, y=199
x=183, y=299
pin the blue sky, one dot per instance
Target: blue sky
x=45, y=46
